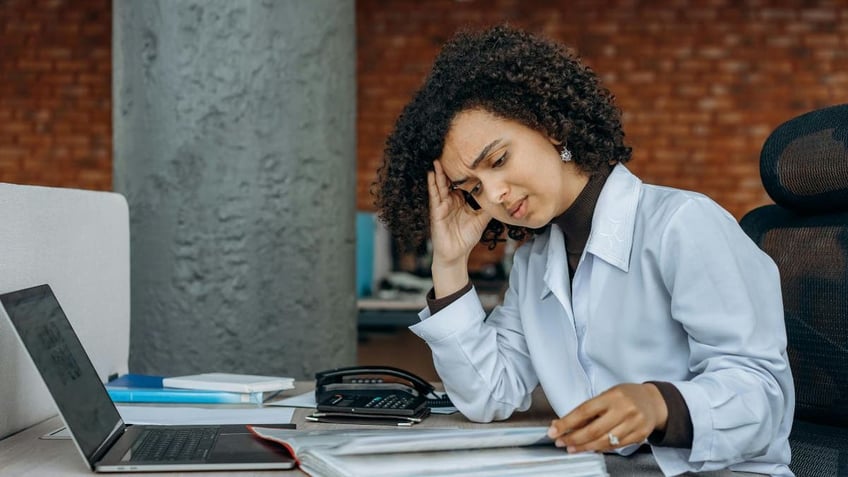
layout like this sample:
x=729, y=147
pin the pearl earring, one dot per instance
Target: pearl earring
x=565, y=154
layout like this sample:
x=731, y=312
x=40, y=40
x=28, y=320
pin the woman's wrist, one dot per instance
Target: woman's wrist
x=449, y=277
x=659, y=405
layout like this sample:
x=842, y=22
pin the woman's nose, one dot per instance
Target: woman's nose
x=497, y=192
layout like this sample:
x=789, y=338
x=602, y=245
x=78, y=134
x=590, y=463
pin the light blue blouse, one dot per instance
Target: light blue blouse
x=669, y=288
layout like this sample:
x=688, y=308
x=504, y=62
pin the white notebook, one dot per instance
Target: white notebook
x=239, y=383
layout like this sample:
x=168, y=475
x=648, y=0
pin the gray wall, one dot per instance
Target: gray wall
x=235, y=147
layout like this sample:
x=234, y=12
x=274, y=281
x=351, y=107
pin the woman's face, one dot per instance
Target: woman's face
x=513, y=172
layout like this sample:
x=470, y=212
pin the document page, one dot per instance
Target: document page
x=420, y=440
x=495, y=462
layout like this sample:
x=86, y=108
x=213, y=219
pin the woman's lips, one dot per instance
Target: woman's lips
x=519, y=210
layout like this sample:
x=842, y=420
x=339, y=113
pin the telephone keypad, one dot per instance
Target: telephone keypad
x=392, y=401
x=398, y=403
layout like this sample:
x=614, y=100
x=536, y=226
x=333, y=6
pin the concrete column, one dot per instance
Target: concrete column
x=235, y=147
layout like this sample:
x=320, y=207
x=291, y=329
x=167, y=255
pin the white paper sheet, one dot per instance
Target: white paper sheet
x=179, y=415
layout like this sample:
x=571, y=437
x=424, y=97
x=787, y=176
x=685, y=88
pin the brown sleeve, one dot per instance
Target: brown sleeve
x=438, y=304
x=678, y=428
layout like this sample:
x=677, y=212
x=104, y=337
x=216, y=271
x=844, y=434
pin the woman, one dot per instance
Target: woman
x=644, y=312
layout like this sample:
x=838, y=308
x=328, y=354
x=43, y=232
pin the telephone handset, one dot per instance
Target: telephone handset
x=375, y=390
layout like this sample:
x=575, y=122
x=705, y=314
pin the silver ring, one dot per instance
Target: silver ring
x=613, y=439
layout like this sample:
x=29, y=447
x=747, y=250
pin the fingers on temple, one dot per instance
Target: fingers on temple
x=432, y=188
x=442, y=183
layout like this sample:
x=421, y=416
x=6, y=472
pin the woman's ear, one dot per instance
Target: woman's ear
x=560, y=148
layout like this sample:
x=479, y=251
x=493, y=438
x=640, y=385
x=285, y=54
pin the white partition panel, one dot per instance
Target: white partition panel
x=78, y=242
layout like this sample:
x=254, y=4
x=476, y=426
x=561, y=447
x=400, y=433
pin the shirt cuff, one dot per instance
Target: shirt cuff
x=438, y=304
x=678, y=428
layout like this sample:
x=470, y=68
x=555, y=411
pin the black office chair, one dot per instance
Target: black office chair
x=804, y=168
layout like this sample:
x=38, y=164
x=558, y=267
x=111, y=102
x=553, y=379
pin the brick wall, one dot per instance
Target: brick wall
x=701, y=83
x=55, y=93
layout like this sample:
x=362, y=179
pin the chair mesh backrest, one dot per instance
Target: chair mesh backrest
x=804, y=167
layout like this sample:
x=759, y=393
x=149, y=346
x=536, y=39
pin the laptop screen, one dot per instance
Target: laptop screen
x=64, y=366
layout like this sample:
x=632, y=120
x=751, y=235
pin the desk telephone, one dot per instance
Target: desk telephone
x=375, y=391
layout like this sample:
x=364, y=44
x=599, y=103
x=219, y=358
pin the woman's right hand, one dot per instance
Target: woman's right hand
x=455, y=228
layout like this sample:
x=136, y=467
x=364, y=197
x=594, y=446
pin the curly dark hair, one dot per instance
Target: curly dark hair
x=511, y=74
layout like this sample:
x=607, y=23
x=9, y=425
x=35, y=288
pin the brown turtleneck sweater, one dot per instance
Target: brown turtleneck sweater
x=576, y=223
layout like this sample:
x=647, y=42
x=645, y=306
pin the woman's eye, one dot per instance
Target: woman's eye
x=476, y=189
x=500, y=161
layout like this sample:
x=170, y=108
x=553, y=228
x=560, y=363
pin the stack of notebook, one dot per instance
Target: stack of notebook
x=214, y=388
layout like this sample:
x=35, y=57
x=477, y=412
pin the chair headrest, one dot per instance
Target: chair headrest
x=804, y=162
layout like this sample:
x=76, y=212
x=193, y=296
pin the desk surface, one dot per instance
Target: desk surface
x=25, y=455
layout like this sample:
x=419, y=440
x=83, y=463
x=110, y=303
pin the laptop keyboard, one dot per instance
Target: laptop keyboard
x=171, y=444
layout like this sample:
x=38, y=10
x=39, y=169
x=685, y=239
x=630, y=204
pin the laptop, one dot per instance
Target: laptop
x=99, y=433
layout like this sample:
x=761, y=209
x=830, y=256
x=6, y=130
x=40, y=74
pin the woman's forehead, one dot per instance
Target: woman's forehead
x=471, y=133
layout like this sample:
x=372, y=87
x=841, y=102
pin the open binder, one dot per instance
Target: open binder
x=492, y=452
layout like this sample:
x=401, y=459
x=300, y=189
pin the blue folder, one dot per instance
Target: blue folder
x=147, y=388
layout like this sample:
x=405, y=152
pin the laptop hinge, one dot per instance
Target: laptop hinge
x=107, y=444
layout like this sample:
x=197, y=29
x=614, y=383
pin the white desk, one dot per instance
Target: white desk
x=25, y=455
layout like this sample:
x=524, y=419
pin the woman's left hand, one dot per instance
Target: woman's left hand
x=622, y=415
